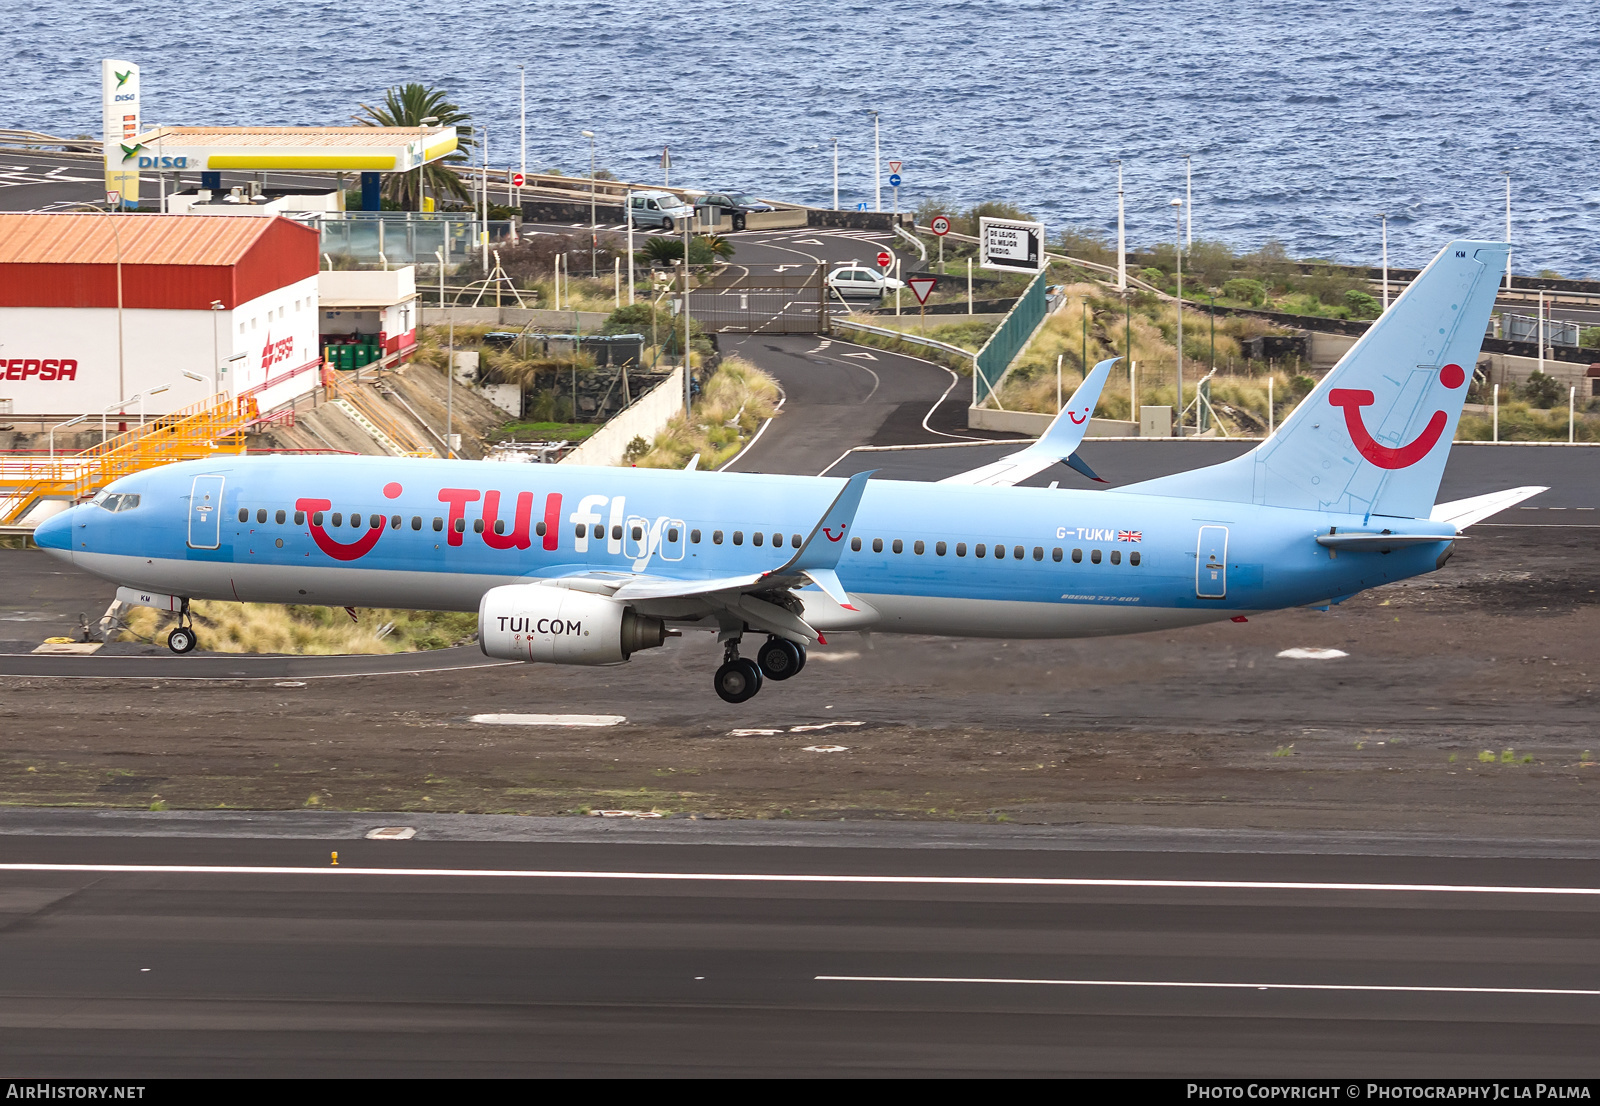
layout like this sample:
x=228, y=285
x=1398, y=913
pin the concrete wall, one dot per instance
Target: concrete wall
x=645, y=419
x=1033, y=424
x=1503, y=368
x=775, y=220
x=518, y=317
x=374, y=287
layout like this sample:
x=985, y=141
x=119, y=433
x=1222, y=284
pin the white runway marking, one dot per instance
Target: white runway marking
x=788, y=877
x=826, y=749
x=550, y=719
x=1313, y=654
x=1209, y=986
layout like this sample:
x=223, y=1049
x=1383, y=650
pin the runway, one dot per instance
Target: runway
x=696, y=954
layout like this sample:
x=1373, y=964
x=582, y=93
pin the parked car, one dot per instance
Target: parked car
x=861, y=282
x=658, y=209
x=735, y=204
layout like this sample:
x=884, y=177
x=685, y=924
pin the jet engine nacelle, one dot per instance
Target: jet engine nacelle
x=536, y=622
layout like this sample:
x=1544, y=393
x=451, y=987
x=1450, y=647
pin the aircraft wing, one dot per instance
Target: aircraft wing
x=1464, y=512
x=748, y=598
x=1060, y=441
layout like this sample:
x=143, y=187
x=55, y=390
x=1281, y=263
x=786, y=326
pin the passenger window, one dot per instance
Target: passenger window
x=461, y=526
x=244, y=514
x=877, y=545
x=394, y=523
x=299, y=518
x=1016, y=551
x=796, y=541
x=939, y=549
x=377, y=522
x=616, y=532
x=918, y=548
x=777, y=541
x=1094, y=556
x=1133, y=559
x=638, y=533
x=316, y=519
x=979, y=550
x=261, y=514
x=672, y=533
x=280, y=517
x=477, y=526
x=961, y=549
x=716, y=537
x=416, y=522
x=541, y=529
x=499, y=526
x=694, y=537
x=1116, y=556
x=1077, y=556
x=438, y=524
x=757, y=538
x=1038, y=552
x=1055, y=554
x=338, y=518
x=899, y=546
x=738, y=537
x=855, y=545
x=599, y=531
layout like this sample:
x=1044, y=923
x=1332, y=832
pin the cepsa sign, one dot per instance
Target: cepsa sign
x=40, y=368
x=1011, y=246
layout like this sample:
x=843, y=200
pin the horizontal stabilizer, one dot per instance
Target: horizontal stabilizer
x=1365, y=540
x=1059, y=443
x=1464, y=512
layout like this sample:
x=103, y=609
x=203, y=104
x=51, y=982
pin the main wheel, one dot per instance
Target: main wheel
x=780, y=659
x=738, y=680
x=181, y=640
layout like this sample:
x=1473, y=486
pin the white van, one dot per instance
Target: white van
x=657, y=209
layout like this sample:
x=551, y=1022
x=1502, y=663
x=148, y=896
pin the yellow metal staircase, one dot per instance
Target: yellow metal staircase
x=202, y=430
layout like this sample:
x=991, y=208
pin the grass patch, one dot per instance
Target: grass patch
x=305, y=630
x=733, y=403
x=527, y=430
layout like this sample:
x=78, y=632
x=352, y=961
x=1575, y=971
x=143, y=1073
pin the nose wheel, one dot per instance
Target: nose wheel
x=183, y=639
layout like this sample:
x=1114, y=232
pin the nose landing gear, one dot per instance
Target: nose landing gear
x=183, y=639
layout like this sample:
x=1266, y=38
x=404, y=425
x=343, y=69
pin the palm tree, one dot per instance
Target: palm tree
x=407, y=106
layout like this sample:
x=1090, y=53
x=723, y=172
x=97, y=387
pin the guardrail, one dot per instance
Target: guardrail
x=914, y=339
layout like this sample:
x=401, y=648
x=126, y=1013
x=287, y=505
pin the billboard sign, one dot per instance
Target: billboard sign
x=1011, y=246
x=119, y=112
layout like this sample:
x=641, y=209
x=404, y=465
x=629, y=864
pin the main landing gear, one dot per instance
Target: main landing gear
x=182, y=639
x=740, y=678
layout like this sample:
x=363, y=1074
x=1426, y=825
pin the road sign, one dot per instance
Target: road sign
x=1011, y=246
x=885, y=259
x=921, y=287
x=113, y=199
x=862, y=206
x=894, y=166
x=940, y=226
x=516, y=180
x=894, y=180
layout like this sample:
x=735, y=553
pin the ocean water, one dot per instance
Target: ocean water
x=1304, y=119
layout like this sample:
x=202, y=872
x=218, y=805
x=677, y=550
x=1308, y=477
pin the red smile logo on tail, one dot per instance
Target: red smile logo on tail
x=1395, y=457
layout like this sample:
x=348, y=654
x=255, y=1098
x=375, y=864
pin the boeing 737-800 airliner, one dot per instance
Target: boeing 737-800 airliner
x=571, y=565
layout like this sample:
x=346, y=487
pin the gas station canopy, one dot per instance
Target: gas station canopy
x=313, y=149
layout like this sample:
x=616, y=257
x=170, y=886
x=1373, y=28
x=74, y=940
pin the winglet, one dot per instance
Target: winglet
x=826, y=541
x=1060, y=440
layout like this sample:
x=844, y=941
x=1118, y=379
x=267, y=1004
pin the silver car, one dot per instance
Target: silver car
x=861, y=282
x=657, y=209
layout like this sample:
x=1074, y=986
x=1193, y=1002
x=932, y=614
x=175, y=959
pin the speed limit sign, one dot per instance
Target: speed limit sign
x=516, y=180
x=940, y=225
x=885, y=259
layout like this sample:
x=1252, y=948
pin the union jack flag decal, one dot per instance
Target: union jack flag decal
x=1130, y=535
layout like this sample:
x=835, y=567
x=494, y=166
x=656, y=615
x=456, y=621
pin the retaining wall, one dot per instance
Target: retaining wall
x=1034, y=424
x=645, y=419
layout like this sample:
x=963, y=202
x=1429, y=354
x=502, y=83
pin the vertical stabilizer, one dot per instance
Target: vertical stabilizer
x=1373, y=437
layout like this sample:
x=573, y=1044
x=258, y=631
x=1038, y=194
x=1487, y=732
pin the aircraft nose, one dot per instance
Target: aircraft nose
x=55, y=533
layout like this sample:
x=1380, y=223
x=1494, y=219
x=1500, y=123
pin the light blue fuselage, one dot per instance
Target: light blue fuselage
x=1198, y=560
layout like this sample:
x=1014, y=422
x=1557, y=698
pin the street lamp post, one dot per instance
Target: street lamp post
x=877, y=166
x=1188, y=201
x=522, y=74
x=1122, y=238
x=627, y=213
x=1178, y=250
x=836, y=173
x=1508, y=230
x=422, y=166
x=1384, y=217
x=594, y=224
x=216, y=347
x=62, y=426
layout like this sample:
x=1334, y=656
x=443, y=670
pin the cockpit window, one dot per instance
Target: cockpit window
x=115, y=501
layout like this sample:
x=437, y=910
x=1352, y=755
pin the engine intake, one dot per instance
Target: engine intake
x=535, y=622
